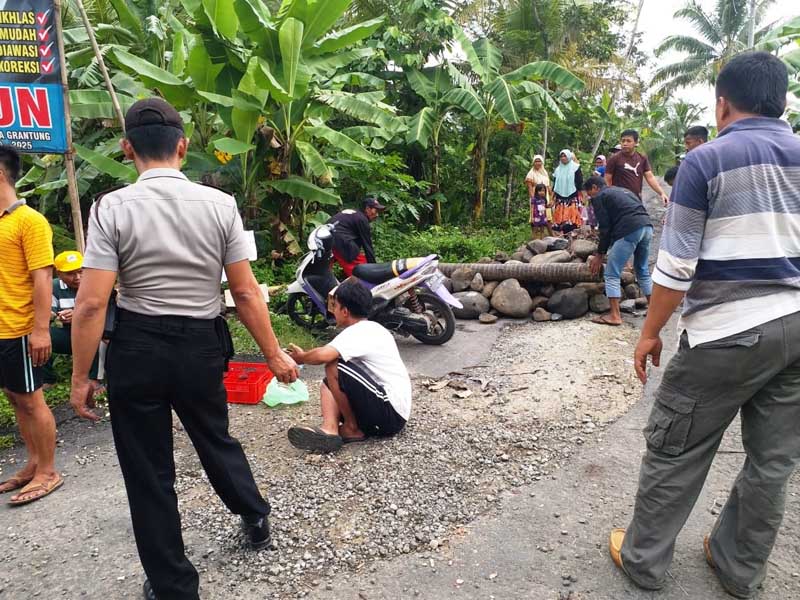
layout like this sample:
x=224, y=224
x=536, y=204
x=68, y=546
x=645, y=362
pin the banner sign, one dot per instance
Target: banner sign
x=31, y=92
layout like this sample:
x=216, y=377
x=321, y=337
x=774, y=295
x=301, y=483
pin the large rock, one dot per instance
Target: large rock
x=571, y=303
x=476, y=285
x=462, y=277
x=556, y=243
x=641, y=302
x=488, y=288
x=540, y=315
x=448, y=284
x=628, y=306
x=510, y=299
x=514, y=261
x=539, y=302
x=474, y=305
x=517, y=256
x=485, y=260
x=558, y=256
x=599, y=303
x=632, y=291
x=527, y=255
x=627, y=278
x=548, y=290
x=592, y=288
x=501, y=257
x=537, y=246
x=583, y=248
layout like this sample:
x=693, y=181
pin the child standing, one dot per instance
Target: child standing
x=540, y=226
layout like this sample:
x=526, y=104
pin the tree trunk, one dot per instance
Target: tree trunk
x=481, y=149
x=437, y=205
x=615, y=91
x=509, y=189
x=545, y=132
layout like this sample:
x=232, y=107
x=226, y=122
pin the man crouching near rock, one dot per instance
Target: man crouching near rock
x=366, y=391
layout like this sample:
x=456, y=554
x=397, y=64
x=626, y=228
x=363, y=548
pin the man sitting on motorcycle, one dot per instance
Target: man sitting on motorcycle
x=367, y=390
x=353, y=233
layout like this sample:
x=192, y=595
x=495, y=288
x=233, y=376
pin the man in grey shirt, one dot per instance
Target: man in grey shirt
x=167, y=240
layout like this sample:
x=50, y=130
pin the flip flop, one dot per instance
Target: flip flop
x=354, y=440
x=601, y=320
x=45, y=488
x=313, y=439
x=15, y=483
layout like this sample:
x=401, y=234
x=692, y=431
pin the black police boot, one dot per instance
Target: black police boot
x=257, y=531
x=149, y=594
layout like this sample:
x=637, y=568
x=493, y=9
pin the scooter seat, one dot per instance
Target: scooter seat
x=374, y=272
x=379, y=272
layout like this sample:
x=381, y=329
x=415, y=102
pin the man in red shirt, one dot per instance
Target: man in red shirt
x=629, y=168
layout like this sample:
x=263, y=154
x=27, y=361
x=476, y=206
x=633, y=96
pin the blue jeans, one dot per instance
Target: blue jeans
x=636, y=244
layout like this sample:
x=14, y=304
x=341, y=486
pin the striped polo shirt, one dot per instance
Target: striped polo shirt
x=26, y=244
x=731, y=240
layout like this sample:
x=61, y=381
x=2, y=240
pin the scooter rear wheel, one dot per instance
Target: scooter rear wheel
x=302, y=311
x=445, y=324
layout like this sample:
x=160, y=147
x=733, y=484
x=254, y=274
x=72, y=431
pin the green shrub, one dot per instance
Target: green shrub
x=452, y=244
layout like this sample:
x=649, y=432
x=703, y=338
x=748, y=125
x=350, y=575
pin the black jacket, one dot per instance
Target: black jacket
x=352, y=233
x=619, y=212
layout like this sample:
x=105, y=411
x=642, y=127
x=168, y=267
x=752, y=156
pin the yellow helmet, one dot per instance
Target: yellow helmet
x=71, y=260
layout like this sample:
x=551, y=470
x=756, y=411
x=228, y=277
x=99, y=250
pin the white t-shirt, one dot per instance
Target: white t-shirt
x=373, y=348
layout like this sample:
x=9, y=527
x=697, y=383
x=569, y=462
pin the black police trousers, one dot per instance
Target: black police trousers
x=155, y=365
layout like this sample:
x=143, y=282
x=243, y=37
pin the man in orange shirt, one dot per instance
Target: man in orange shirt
x=26, y=245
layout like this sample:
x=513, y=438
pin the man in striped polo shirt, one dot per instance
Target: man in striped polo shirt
x=26, y=248
x=731, y=251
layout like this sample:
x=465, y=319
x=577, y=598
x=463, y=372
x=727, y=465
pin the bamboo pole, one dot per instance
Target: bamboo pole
x=101, y=63
x=69, y=158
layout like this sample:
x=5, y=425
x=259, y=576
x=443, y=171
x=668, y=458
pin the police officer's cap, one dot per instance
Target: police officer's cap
x=152, y=111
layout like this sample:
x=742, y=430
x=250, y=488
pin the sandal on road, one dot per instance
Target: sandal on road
x=36, y=492
x=602, y=320
x=354, y=440
x=313, y=439
x=14, y=483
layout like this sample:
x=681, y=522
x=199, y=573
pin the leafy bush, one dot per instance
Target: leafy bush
x=285, y=330
x=452, y=244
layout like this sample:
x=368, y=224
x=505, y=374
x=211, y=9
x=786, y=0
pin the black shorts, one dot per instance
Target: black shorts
x=374, y=413
x=17, y=373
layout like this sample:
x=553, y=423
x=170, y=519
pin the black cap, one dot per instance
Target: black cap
x=371, y=202
x=152, y=111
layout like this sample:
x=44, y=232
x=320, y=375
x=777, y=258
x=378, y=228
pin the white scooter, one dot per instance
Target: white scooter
x=408, y=295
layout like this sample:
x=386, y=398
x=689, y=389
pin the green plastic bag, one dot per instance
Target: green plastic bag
x=283, y=393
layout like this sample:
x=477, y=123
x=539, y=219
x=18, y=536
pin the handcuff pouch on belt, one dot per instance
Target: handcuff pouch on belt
x=225, y=339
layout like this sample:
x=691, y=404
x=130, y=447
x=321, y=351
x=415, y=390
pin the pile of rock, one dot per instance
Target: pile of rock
x=485, y=300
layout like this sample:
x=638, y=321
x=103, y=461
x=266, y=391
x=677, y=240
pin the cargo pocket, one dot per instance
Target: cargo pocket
x=670, y=421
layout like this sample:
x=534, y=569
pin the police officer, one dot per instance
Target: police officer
x=167, y=240
x=354, y=234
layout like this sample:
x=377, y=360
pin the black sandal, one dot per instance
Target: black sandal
x=313, y=439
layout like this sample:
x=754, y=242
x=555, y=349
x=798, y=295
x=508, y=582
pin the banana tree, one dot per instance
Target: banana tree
x=433, y=86
x=489, y=96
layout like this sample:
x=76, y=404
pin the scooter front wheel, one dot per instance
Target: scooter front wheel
x=302, y=311
x=443, y=321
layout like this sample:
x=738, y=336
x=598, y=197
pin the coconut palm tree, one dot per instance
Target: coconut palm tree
x=722, y=34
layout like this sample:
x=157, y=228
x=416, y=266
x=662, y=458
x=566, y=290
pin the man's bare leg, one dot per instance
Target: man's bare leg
x=330, y=411
x=38, y=429
x=27, y=472
x=348, y=429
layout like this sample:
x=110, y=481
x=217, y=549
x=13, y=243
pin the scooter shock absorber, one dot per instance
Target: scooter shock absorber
x=414, y=303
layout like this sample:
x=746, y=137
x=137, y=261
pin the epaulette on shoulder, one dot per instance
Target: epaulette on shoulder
x=100, y=195
x=211, y=185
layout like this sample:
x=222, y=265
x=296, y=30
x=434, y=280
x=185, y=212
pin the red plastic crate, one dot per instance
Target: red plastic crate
x=246, y=383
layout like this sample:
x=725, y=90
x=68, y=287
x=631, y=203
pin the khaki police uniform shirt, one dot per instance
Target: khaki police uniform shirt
x=168, y=238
